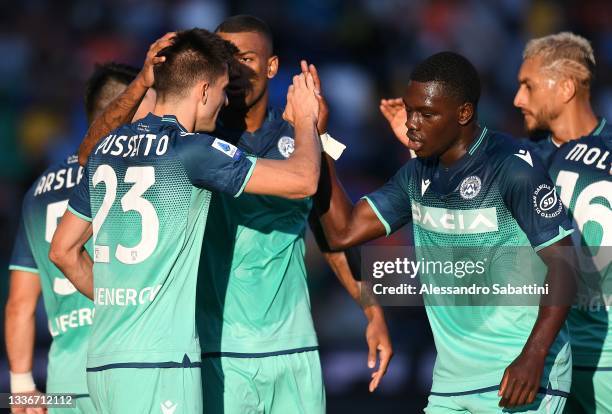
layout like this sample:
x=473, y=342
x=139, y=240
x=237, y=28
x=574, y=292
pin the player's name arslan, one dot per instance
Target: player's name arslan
x=473, y=289
x=131, y=146
x=125, y=296
x=56, y=180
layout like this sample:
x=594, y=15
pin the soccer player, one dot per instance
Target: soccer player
x=145, y=195
x=69, y=313
x=554, y=95
x=473, y=187
x=254, y=317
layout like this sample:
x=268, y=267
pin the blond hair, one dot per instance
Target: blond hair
x=564, y=54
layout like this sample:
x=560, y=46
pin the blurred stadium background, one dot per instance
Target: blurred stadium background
x=365, y=50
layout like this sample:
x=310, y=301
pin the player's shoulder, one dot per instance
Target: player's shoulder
x=603, y=141
x=57, y=179
x=413, y=168
x=505, y=150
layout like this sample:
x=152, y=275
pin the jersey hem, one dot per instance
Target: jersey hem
x=79, y=215
x=259, y=354
x=257, y=347
x=378, y=214
x=142, y=356
x=24, y=269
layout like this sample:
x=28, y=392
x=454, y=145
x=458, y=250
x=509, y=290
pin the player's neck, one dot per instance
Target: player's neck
x=460, y=146
x=246, y=119
x=577, y=120
x=256, y=115
x=184, y=115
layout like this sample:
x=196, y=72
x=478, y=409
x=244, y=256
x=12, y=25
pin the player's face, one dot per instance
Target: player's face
x=538, y=95
x=249, y=80
x=212, y=104
x=432, y=118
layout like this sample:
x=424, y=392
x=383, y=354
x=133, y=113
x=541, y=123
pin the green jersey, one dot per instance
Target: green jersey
x=496, y=195
x=252, y=293
x=69, y=313
x=582, y=170
x=146, y=190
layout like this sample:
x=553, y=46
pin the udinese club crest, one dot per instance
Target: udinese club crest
x=470, y=187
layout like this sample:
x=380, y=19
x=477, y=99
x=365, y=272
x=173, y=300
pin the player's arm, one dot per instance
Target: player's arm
x=68, y=252
x=19, y=327
x=346, y=225
x=521, y=380
x=296, y=177
x=19, y=317
x=345, y=266
x=549, y=233
x=123, y=109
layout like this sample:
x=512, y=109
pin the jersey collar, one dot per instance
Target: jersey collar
x=472, y=149
x=600, y=126
x=152, y=119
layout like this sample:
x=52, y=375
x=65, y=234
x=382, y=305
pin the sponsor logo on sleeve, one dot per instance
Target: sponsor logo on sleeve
x=286, y=145
x=226, y=148
x=545, y=201
x=470, y=187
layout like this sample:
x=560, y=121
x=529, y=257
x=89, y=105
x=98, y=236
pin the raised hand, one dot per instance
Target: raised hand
x=146, y=74
x=302, y=103
x=394, y=112
x=323, y=107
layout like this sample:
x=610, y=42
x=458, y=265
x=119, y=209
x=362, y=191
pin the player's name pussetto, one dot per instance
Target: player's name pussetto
x=473, y=289
x=130, y=146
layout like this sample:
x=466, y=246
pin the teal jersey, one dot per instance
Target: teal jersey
x=581, y=170
x=495, y=195
x=146, y=189
x=252, y=292
x=69, y=313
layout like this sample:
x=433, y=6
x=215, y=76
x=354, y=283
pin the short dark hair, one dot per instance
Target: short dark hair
x=102, y=75
x=455, y=72
x=194, y=55
x=242, y=23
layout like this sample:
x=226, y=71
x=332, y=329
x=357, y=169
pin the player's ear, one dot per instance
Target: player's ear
x=465, y=113
x=567, y=88
x=272, y=66
x=203, y=92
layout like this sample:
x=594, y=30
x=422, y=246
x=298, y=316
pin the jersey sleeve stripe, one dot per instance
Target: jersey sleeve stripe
x=248, y=176
x=379, y=215
x=562, y=233
x=24, y=269
x=79, y=215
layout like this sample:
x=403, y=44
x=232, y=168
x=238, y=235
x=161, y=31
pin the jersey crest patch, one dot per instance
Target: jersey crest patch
x=286, y=145
x=470, y=187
